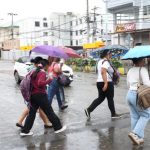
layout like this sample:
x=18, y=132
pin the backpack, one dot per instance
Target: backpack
x=26, y=87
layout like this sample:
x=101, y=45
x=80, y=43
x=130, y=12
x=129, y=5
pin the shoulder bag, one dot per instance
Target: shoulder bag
x=143, y=94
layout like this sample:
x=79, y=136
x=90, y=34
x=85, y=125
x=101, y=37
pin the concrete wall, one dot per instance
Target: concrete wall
x=13, y=54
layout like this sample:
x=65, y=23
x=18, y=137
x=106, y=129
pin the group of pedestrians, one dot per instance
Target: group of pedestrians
x=46, y=86
x=105, y=86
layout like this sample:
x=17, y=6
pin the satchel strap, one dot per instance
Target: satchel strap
x=140, y=77
x=111, y=66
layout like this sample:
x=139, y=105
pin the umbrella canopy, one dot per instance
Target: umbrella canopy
x=70, y=52
x=117, y=50
x=137, y=52
x=50, y=51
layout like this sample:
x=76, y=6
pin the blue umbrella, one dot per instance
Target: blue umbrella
x=137, y=52
x=117, y=50
x=114, y=47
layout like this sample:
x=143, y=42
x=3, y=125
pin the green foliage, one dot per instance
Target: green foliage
x=81, y=62
x=117, y=63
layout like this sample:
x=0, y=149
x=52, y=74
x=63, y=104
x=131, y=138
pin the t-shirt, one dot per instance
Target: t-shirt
x=51, y=71
x=103, y=63
x=133, y=77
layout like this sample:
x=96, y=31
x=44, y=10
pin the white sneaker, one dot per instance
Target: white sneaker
x=26, y=134
x=61, y=130
x=134, y=138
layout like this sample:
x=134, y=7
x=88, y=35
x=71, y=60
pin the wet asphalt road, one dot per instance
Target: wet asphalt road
x=99, y=133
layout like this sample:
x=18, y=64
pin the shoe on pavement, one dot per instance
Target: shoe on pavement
x=141, y=141
x=87, y=113
x=61, y=130
x=64, y=107
x=26, y=134
x=116, y=116
x=135, y=139
x=19, y=125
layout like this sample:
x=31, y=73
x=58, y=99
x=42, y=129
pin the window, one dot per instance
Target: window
x=45, y=42
x=76, y=22
x=80, y=32
x=37, y=24
x=70, y=33
x=52, y=24
x=70, y=23
x=76, y=42
x=71, y=42
x=76, y=33
x=45, y=33
x=45, y=24
x=80, y=21
x=44, y=19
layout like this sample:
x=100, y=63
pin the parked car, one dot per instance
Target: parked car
x=23, y=66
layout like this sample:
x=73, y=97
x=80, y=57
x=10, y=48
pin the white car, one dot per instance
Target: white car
x=23, y=66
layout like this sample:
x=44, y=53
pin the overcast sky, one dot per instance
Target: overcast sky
x=41, y=8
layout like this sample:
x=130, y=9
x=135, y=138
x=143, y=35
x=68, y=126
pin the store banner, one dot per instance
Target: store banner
x=126, y=27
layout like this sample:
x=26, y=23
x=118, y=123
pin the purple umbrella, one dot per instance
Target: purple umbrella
x=50, y=51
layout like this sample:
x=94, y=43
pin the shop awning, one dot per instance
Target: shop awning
x=26, y=48
x=94, y=45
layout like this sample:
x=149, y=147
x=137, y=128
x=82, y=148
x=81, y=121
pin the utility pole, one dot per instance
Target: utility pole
x=12, y=24
x=88, y=21
x=94, y=23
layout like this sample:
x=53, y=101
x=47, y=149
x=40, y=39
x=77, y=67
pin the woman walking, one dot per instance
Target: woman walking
x=54, y=88
x=25, y=112
x=139, y=117
x=105, y=85
x=39, y=99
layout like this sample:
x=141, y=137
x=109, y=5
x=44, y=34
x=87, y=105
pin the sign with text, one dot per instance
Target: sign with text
x=127, y=27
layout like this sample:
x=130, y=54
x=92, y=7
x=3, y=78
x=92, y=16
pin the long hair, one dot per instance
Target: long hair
x=42, y=64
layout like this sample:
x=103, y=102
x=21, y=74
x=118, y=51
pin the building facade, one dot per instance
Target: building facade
x=9, y=38
x=131, y=21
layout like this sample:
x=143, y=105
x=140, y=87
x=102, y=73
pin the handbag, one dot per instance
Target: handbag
x=63, y=80
x=143, y=94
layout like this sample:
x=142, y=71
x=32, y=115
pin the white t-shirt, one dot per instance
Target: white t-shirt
x=103, y=63
x=133, y=77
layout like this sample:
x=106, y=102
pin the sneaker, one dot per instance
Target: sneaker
x=116, y=116
x=19, y=125
x=134, y=138
x=87, y=113
x=61, y=130
x=64, y=107
x=26, y=134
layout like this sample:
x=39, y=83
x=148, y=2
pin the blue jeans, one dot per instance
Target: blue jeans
x=53, y=89
x=139, y=117
x=62, y=94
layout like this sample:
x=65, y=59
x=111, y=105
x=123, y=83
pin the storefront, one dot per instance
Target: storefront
x=128, y=35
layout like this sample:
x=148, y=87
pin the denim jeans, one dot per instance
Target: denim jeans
x=62, y=94
x=53, y=89
x=139, y=117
